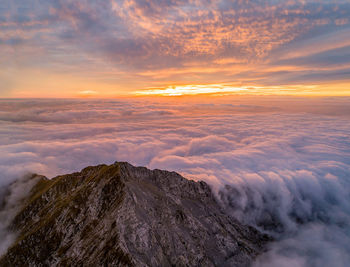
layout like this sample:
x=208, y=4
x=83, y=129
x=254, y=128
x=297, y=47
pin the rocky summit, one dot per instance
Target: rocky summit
x=121, y=215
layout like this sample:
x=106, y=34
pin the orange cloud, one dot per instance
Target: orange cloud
x=121, y=47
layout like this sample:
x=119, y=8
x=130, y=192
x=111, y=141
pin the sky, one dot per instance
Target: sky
x=281, y=164
x=113, y=48
x=249, y=121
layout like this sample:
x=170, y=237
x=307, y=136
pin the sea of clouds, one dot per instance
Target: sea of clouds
x=280, y=164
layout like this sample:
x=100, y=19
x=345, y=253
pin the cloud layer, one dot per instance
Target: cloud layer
x=281, y=164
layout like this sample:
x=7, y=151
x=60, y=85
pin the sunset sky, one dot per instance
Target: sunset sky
x=249, y=96
x=110, y=48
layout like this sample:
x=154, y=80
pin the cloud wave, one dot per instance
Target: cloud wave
x=281, y=164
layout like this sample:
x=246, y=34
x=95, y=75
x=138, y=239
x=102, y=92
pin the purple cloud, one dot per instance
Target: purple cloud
x=282, y=165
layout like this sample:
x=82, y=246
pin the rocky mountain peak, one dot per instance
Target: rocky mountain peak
x=121, y=215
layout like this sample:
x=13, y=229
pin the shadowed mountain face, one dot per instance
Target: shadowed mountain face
x=124, y=215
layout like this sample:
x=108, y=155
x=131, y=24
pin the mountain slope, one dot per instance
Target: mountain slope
x=122, y=215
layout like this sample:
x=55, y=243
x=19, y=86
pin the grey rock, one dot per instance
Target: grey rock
x=121, y=215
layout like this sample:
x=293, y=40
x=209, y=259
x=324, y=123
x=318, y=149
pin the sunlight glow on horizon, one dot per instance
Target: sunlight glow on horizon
x=179, y=90
x=174, y=48
x=227, y=89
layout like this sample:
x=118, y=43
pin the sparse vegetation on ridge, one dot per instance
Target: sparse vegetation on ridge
x=122, y=215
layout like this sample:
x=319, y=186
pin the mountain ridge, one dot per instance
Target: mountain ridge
x=121, y=215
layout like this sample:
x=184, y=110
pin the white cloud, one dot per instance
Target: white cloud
x=287, y=163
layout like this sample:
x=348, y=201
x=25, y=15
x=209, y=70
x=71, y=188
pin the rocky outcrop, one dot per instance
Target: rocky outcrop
x=121, y=215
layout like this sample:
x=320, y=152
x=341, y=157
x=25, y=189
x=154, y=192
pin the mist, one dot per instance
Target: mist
x=279, y=164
